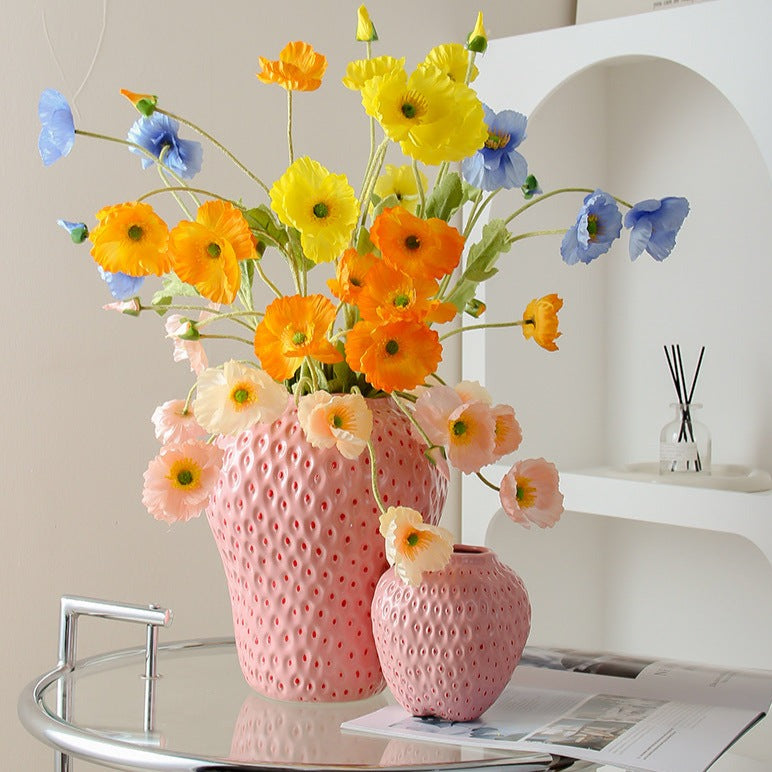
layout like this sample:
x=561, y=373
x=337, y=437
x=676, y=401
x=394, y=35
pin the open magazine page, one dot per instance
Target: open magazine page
x=633, y=713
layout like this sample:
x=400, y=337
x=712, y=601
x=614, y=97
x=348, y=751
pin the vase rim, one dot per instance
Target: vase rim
x=470, y=550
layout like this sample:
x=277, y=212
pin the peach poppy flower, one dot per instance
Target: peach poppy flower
x=343, y=421
x=295, y=327
x=299, y=68
x=540, y=321
x=174, y=423
x=393, y=295
x=424, y=248
x=180, y=479
x=236, y=396
x=507, y=433
x=393, y=356
x=206, y=253
x=529, y=493
x=413, y=546
x=473, y=391
x=466, y=429
x=350, y=275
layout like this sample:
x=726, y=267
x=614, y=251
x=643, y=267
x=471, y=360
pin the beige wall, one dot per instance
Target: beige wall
x=78, y=384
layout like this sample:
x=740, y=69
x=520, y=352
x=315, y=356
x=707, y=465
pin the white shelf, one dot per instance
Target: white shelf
x=598, y=492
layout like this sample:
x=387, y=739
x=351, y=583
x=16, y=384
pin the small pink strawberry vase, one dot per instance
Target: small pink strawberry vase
x=448, y=646
x=297, y=529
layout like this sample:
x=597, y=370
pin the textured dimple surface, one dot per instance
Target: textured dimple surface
x=297, y=531
x=449, y=646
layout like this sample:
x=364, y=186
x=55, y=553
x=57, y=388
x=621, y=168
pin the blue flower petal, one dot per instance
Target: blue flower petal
x=655, y=224
x=158, y=133
x=57, y=129
x=598, y=224
x=639, y=238
x=121, y=285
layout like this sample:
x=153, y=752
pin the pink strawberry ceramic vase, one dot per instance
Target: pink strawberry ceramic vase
x=297, y=531
x=448, y=646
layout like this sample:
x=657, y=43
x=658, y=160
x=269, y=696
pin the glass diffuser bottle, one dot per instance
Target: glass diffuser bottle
x=684, y=442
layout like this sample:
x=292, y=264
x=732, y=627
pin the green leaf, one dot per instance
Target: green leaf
x=446, y=197
x=247, y=268
x=173, y=287
x=364, y=245
x=379, y=204
x=263, y=224
x=481, y=261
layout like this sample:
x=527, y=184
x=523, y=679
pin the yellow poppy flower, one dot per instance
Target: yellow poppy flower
x=453, y=60
x=321, y=205
x=361, y=71
x=433, y=118
x=295, y=327
x=206, y=253
x=299, y=68
x=400, y=181
x=365, y=28
x=132, y=239
x=540, y=321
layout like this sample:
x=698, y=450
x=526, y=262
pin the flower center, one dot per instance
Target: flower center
x=392, y=347
x=299, y=338
x=135, y=232
x=401, y=301
x=185, y=477
x=213, y=250
x=355, y=282
x=412, y=538
x=592, y=225
x=526, y=494
x=496, y=141
x=408, y=110
x=240, y=395
x=413, y=106
x=321, y=210
x=459, y=428
x=336, y=421
x=412, y=242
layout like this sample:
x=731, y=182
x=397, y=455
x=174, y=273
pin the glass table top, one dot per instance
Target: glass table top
x=201, y=715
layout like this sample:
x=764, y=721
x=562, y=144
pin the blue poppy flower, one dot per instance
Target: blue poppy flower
x=497, y=164
x=158, y=133
x=57, y=131
x=78, y=230
x=599, y=222
x=655, y=224
x=121, y=285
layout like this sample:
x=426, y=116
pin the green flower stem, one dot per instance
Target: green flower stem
x=413, y=421
x=545, y=196
x=268, y=283
x=187, y=189
x=368, y=185
x=228, y=337
x=420, y=188
x=186, y=408
x=470, y=67
x=487, y=481
x=289, y=126
x=218, y=145
x=171, y=307
x=134, y=145
x=518, y=323
x=477, y=210
x=374, y=479
x=233, y=315
x=162, y=157
x=438, y=379
x=531, y=234
x=309, y=367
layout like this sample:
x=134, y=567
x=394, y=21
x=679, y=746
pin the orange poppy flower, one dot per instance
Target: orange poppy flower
x=299, y=68
x=130, y=238
x=295, y=327
x=424, y=248
x=206, y=253
x=540, y=321
x=391, y=295
x=393, y=356
x=350, y=275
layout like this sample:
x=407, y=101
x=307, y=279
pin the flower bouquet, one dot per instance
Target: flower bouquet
x=322, y=455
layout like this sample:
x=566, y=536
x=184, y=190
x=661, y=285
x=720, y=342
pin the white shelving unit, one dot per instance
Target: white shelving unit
x=723, y=42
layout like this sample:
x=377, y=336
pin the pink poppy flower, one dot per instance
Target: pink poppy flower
x=413, y=546
x=472, y=391
x=529, y=493
x=465, y=429
x=180, y=479
x=343, y=421
x=130, y=307
x=507, y=433
x=192, y=350
x=174, y=424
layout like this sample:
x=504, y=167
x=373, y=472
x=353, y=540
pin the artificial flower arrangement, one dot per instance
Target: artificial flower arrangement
x=402, y=270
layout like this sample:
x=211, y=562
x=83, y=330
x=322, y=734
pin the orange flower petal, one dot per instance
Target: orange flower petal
x=540, y=321
x=350, y=275
x=299, y=68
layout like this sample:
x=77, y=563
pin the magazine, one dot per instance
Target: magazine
x=639, y=714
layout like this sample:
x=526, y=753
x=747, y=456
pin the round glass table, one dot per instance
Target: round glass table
x=199, y=714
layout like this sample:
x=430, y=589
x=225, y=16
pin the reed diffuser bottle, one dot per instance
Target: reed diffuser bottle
x=684, y=442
